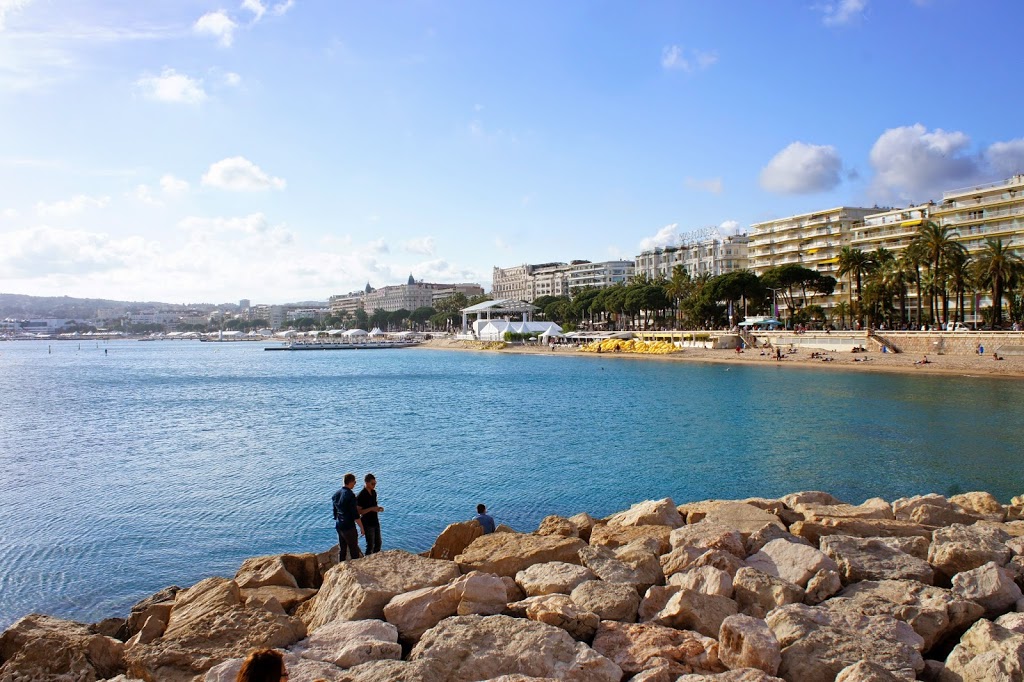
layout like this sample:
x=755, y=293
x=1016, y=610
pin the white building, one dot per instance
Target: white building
x=529, y=282
x=699, y=253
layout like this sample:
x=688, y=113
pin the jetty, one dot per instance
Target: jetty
x=803, y=588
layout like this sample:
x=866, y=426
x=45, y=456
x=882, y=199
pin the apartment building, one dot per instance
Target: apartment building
x=408, y=296
x=991, y=211
x=812, y=240
x=529, y=282
x=711, y=254
x=892, y=229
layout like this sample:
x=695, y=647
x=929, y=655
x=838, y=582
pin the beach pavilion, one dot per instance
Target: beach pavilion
x=502, y=309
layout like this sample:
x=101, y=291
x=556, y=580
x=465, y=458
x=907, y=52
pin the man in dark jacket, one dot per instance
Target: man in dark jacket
x=346, y=518
x=368, y=510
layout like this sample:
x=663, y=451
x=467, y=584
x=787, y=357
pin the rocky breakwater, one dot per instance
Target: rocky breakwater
x=804, y=588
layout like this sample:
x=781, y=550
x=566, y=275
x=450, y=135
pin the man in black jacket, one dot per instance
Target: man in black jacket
x=346, y=518
x=368, y=510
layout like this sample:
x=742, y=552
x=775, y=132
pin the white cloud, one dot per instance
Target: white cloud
x=729, y=227
x=913, y=164
x=842, y=12
x=436, y=271
x=1006, y=158
x=256, y=7
x=173, y=186
x=423, y=246
x=8, y=7
x=219, y=25
x=281, y=8
x=677, y=58
x=171, y=86
x=378, y=246
x=73, y=206
x=803, y=168
x=239, y=174
x=42, y=249
x=711, y=185
x=666, y=236
x=144, y=193
x=10, y=213
x=232, y=79
x=501, y=244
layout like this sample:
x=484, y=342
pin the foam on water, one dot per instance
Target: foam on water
x=163, y=463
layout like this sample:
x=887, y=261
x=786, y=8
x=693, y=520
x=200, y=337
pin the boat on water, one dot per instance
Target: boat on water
x=343, y=345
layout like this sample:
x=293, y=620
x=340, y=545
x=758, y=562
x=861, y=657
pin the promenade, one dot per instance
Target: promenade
x=1011, y=366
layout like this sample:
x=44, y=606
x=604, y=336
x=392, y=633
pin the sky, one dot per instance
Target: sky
x=288, y=150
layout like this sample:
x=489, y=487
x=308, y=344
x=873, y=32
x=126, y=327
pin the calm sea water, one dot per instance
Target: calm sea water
x=166, y=462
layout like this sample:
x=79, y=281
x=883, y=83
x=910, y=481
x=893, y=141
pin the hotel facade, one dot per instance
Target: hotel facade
x=529, y=282
x=713, y=255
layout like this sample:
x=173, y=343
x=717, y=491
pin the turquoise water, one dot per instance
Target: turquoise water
x=166, y=462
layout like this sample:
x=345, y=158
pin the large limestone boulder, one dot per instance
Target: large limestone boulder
x=609, y=568
x=553, y=577
x=875, y=508
x=480, y=648
x=989, y=585
x=904, y=507
x=158, y=604
x=395, y=671
x=475, y=593
x=561, y=611
x=584, y=523
x=282, y=570
x=730, y=563
x=794, y=500
x=709, y=535
x=41, y=647
x=678, y=559
x=654, y=601
x=557, y=525
x=756, y=593
x=650, y=513
x=694, y=512
x=929, y=515
x=509, y=553
x=766, y=534
x=981, y=504
x=742, y=675
x=210, y=624
x=299, y=670
x=745, y=642
x=873, y=559
x=813, y=529
x=745, y=518
x=933, y=612
x=690, y=610
x=454, y=539
x=356, y=590
x=636, y=647
x=610, y=601
x=821, y=586
x=706, y=580
x=818, y=643
x=347, y=643
x=960, y=548
x=986, y=652
x=790, y=561
x=612, y=536
x=288, y=597
x=865, y=671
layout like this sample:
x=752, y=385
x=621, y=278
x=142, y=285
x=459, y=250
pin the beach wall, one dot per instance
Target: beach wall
x=954, y=343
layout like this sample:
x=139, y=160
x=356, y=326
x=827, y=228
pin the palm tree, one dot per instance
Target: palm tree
x=937, y=244
x=853, y=263
x=999, y=268
x=959, y=276
x=841, y=310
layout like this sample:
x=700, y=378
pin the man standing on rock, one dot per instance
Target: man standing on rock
x=368, y=509
x=346, y=519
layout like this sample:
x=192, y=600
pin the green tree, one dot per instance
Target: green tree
x=362, y=320
x=854, y=264
x=937, y=244
x=999, y=269
x=421, y=316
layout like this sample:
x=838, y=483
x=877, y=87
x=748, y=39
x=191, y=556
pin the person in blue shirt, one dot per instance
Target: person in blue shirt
x=484, y=519
x=346, y=518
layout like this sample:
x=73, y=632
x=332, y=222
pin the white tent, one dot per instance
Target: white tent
x=336, y=332
x=376, y=332
x=287, y=334
x=494, y=330
x=352, y=333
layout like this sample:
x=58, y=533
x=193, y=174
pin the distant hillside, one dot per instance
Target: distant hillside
x=66, y=307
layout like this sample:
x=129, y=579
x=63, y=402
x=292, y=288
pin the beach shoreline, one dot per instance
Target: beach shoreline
x=971, y=366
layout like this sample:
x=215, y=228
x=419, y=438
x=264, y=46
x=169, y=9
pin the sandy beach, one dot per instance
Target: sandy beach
x=1010, y=367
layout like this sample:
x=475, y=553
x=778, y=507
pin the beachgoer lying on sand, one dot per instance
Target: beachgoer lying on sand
x=923, y=361
x=995, y=356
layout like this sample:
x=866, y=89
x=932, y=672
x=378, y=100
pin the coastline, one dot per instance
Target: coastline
x=922, y=587
x=970, y=366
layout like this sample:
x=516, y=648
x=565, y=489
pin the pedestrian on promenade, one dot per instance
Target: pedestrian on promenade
x=346, y=518
x=263, y=665
x=484, y=519
x=368, y=510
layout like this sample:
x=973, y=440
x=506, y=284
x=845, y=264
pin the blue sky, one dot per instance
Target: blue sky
x=283, y=150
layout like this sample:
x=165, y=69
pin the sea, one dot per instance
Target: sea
x=128, y=466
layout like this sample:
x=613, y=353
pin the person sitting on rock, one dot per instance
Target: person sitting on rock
x=263, y=665
x=484, y=519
